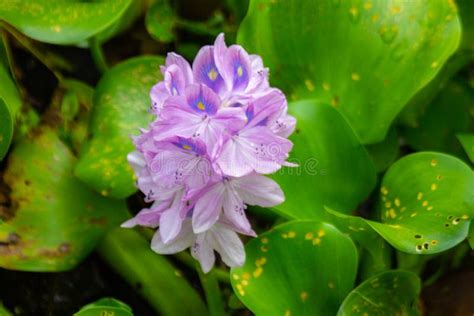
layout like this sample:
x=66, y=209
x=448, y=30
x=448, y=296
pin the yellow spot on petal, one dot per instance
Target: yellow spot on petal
x=264, y=240
x=309, y=85
x=397, y=202
x=187, y=147
x=434, y=186
x=355, y=76
x=304, y=296
x=308, y=236
x=368, y=5
x=212, y=74
x=201, y=106
x=419, y=196
x=291, y=234
x=326, y=86
x=240, y=71
x=434, y=162
x=258, y=272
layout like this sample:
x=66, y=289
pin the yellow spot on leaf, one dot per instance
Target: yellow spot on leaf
x=434, y=64
x=434, y=186
x=304, y=296
x=264, y=248
x=384, y=190
x=397, y=202
x=287, y=312
x=395, y=10
x=308, y=236
x=258, y=272
x=261, y=261
x=388, y=204
x=392, y=213
x=245, y=282
x=375, y=17
x=355, y=76
x=434, y=162
x=309, y=85
x=246, y=276
x=264, y=240
x=425, y=203
x=368, y=5
x=291, y=234
x=321, y=233
x=419, y=196
x=316, y=241
x=326, y=86
x=413, y=214
x=235, y=276
x=330, y=285
x=429, y=208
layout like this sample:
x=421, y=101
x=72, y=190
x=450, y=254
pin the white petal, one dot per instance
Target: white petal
x=183, y=240
x=203, y=252
x=259, y=190
x=234, y=209
x=208, y=208
x=228, y=244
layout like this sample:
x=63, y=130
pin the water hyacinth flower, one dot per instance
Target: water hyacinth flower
x=219, y=129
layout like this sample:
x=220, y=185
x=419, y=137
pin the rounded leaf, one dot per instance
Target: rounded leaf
x=121, y=104
x=427, y=200
x=105, y=306
x=296, y=269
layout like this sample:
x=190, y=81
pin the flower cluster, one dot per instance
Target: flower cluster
x=219, y=129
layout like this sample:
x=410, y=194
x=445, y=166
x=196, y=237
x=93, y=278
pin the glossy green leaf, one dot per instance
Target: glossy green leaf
x=54, y=220
x=354, y=54
x=62, y=22
x=6, y=129
x=129, y=254
x=296, y=269
x=426, y=202
x=383, y=154
x=121, y=104
x=374, y=252
x=388, y=293
x=334, y=168
x=447, y=116
x=467, y=142
x=160, y=20
x=470, y=236
x=105, y=306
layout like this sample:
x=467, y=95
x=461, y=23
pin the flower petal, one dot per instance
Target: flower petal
x=175, y=59
x=172, y=219
x=237, y=68
x=183, y=240
x=255, y=189
x=208, y=208
x=158, y=94
x=174, y=80
x=205, y=70
x=202, y=99
x=234, y=209
x=203, y=252
x=228, y=245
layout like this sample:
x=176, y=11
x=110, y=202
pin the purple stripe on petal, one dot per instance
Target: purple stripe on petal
x=202, y=99
x=192, y=145
x=205, y=69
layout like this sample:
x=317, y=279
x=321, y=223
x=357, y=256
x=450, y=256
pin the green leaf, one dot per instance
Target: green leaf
x=62, y=22
x=54, y=220
x=105, y=306
x=10, y=104
x=383, y=154
x=447, y=115
x=334, y=168
x=426, y=202
x=374, y=252
x=296, y=269
x=353, y=54
x=129, y=254
x=121, y=104
x=160, y=20
x=467, y=142
x=389, y=293
x=6, y=129
x=4, y=311
x=470, y=236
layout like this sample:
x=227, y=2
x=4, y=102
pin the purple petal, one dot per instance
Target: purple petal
x=174, y=80
x=158, y=94
x=258, y=190
x=175, y=59
x=205, y=70
x=208, y=208
x=234, y=209
x=237, y=69
x=266, y=107
x=202, y=99
x=172, y=219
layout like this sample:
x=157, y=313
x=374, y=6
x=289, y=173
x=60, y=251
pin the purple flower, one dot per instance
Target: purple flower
x=219, y=129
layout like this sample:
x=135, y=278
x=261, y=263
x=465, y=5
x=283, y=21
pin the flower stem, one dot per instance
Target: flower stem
x=212, y=291
x=98, y=55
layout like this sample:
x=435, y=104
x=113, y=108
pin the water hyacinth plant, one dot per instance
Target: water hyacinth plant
x=267, y=157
